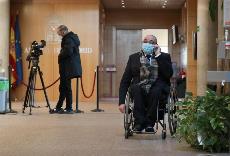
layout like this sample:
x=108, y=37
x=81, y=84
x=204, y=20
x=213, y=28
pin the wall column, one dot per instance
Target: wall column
x=191, y=70
x=220, y=62
x=220, y=21
x=4, y=39
x=202, y=45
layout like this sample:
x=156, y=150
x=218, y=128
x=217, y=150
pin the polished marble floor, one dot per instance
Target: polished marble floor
x=87, y=134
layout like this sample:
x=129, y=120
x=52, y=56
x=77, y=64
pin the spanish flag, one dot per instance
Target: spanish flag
x=12, y=57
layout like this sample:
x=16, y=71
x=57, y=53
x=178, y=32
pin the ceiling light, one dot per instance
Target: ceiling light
x=163, y=6
x=166, y=1
x=122, y=3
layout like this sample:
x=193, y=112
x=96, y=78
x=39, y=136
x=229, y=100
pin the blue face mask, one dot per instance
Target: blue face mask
x=147, y=48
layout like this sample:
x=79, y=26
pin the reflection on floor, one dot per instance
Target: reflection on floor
x=88, y=134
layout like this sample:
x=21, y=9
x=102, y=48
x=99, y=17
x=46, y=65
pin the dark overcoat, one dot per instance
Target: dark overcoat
x=69, y=57
x=132, y=72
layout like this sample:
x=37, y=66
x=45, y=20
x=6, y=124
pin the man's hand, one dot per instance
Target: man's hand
x=158, y=51
x=122, y=108
x=182, y=76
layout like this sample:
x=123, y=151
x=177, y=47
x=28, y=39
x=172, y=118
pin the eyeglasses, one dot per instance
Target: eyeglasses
x=151, y=42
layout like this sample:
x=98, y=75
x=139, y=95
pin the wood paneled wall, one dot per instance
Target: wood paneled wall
x=36, y=18
x=183, y=31
x=191, y=62
x=154, y=19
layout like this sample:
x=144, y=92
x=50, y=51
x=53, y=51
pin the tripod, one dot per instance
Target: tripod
x=29, y=98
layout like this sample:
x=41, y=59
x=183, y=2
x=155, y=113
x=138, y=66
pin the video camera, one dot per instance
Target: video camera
x=33, y=57
x=36, y=50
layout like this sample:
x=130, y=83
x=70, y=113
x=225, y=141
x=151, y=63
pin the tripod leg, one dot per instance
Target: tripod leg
x=30, y=100
x=44, y=89
x=27, y=92
x=32, y=86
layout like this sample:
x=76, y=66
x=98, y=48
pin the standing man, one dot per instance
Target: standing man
x=69, y=67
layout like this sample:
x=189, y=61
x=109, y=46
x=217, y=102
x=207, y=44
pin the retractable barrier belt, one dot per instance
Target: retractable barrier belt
x=42, y=88
x=82, y=87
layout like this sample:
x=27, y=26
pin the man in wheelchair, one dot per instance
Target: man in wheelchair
x=147, y=74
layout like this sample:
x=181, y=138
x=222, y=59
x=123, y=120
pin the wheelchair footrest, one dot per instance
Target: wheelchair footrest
x=143, y=132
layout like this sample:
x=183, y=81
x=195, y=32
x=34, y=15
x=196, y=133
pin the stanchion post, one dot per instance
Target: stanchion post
x=97, y=109
x=77, y=109
x=10, y=106
x=9, y=70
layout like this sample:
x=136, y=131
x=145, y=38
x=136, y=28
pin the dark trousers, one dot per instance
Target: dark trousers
x=65, y=93
x=145, y=106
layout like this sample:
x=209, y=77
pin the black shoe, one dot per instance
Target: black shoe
x=138, y=128
x=149, y=125
x=149, y=129
x=55, y=110
x=68, y=111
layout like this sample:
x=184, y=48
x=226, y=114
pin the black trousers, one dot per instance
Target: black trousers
x=145, y=106
x=65, y=93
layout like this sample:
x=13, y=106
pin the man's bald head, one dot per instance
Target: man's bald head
x=150, y=39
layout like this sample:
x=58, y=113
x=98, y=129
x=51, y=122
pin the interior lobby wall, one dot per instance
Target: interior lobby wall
x=135, y=19
x=191, y=67
x=38, y=20
x=4, y=39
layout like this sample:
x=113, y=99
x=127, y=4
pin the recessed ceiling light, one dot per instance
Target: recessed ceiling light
x=163, y=6
x=166, y=1
x=122, y=3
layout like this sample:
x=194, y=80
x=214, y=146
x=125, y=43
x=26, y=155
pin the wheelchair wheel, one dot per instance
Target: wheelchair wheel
x=172, y=118
x=128, y=117
x=126, y=134
x=127, y=125
x=163, y=135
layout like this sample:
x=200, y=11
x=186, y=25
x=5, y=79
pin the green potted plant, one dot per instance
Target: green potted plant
x=205, y=122
x=213, y=7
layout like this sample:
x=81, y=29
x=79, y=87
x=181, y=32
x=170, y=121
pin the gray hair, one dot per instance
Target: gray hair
x=150, y=38
x=154, y=38
x=63, y=28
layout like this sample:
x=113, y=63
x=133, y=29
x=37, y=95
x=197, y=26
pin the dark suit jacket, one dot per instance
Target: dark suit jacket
x=69, y=57
x=132, y=72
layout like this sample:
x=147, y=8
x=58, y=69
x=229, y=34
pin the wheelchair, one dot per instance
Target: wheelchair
x=166, y=105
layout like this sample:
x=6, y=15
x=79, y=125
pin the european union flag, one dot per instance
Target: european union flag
x=18, y=52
